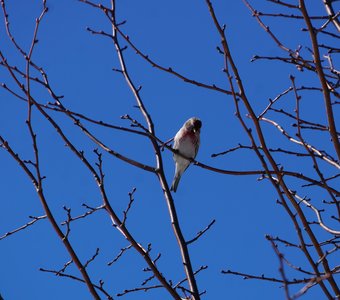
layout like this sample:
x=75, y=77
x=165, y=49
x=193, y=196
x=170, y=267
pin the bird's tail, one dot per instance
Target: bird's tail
x=175, y=182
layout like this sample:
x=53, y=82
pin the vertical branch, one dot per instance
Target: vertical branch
x=179, y=236
x=124, y=71
x=160, y=170
x=322, y=79
x=28, y=61
x=121, y=226
x=281, y=267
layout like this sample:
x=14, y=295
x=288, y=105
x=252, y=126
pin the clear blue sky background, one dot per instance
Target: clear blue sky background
x=179, y=34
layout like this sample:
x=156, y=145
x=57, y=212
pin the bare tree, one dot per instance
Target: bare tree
x=298, y=155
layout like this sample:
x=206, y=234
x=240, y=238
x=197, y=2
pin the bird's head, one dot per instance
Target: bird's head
x=194, y=124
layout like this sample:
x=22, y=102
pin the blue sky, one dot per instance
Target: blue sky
x=181, y=35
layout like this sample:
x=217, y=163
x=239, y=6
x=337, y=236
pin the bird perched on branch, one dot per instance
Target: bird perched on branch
x=186, y=142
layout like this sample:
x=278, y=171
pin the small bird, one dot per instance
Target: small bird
x=187, y=142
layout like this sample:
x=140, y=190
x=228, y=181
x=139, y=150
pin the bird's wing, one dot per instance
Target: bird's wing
x=176, y=140
x=196, y=149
